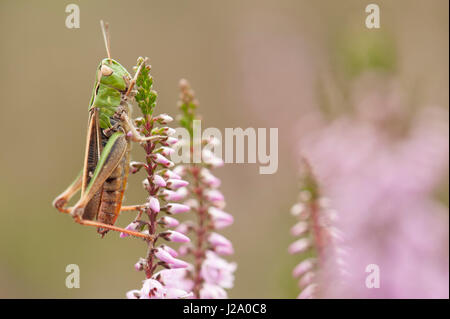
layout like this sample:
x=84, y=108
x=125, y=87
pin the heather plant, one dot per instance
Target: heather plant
x=163, y=187
x=317, y=239
x=380, y=169
x=210, y=274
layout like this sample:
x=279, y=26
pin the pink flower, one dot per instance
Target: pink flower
x=175, y=236
x=132, y=226
x=138, y=266
x=174, y=278
x=308, y=292
x=133, y=294
x=299, y=246
x=168, y=221
x=220, y=218
x=171, y=175
x=216, y=239
x=163, y=118
x=217, y=271
x=166, y=257
x=171, y=141
x=170, y=250
x=176, y=208
x=154, y=204
x=176, y=183
x=303, y=267
x=209, y=291
x=214, y=196
x=299, y=229
x=209, y=179
x=159, y=181
x=162, y=160
x=224, y=250
x=152, y=289
x=169, y=195
x=163, y=255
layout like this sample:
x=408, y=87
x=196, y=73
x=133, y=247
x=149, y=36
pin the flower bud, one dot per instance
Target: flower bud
x=162, y=160
x=176, y=183
x=299, y=246
x=220, y=218
x=174, y=236
x=168, y=221
x=153, y=204
x=132, y=226
x=159, y=181
x=176, y=208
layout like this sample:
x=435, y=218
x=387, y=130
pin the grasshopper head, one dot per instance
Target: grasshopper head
x=113, y=74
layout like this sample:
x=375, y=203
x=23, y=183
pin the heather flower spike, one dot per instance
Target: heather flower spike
x=316, y=241
x=211, y=274
x=158, y=182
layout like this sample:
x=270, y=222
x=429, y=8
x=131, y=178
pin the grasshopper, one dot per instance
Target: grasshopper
x=107, y=155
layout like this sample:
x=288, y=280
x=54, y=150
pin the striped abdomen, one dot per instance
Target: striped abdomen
x=112, y=193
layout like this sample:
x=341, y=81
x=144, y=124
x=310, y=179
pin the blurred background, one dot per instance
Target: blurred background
x=368, y=108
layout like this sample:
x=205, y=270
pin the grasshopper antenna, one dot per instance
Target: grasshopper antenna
x=105, y=30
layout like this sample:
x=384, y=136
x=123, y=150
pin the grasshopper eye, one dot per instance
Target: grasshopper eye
x=105, y=70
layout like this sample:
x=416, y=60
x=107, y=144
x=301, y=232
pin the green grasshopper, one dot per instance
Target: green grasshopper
x=107, y=155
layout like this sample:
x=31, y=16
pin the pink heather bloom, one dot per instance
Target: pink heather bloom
x=214, y=196
x=383, y=181
x=224, y=250
x=209, y=179
x=175, y=236
x=175, y=293
x=176, y=183
x=166, y=257
x=174, y=278
x=220, y=218
x=216, y=239
x=171, y=141
x=184, y=228
x=154, y=204
x=183, y=250
x=215, y=162
x=170, y=250
x=164, y=118
x=303, y=267
x=132, y=226
x=217, y=271
x=169, y=195
x=299, y=229
x=299, y=246
x=169, y=131
x=152, y=289
x=162, y=160
x=306, y=279
x=176, y=208
x=209, y=291
x=138, y=266
x=159, y=181
x=171, y=175
x=133, y=294
x=180, y=170
x=166, y=151
x=163, y=255
x=308, y=292
x=168, y=221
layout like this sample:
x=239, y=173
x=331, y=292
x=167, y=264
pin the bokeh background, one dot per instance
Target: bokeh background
x=309, y=68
